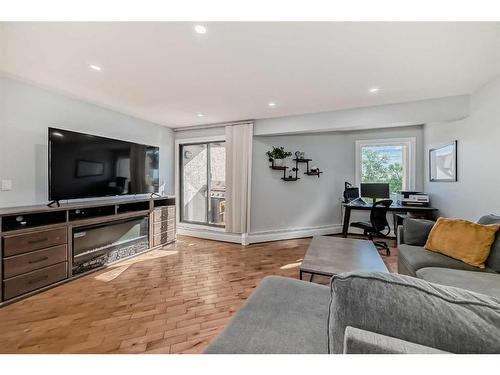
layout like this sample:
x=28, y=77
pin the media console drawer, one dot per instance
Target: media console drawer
x=28, y=282
x=162, y=226
x=164, y=213
x=164, y=238
x=23, y=243
x=19, y=264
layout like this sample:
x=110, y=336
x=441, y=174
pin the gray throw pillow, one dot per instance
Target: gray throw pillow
x=416, y=231
x=493, y=260
x=410, y=309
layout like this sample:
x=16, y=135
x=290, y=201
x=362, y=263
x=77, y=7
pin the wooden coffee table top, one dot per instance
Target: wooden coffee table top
x=333, y=255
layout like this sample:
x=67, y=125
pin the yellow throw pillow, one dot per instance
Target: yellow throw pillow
x=462, y=240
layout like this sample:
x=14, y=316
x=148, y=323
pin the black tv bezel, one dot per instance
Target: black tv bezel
x=49, y=166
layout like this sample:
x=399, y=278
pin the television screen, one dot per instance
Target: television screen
x=85, y=166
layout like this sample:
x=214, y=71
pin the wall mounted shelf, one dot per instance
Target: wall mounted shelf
x=309, y=171
x=291, y=177
x=313, y=173
x=278, y=168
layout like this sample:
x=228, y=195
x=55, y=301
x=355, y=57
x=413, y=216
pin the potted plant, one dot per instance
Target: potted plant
x=277, y=156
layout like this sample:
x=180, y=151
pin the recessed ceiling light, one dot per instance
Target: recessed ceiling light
x=200, y=115
x=271, y=104
x=95, y=67
x=200, y=29
x=374, y=89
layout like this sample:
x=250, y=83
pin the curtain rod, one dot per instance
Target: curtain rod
x=208, y=126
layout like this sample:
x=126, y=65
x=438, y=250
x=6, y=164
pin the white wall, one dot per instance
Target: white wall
x=382, y=116
x=201, y=133
x=313, y=202
x=27, y=111
x=477, y=191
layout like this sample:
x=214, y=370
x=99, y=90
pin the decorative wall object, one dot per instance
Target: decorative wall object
x=278, y=155
x=443, y=163
x=291, y=174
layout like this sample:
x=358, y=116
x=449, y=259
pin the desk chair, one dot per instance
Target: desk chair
x=378, y=224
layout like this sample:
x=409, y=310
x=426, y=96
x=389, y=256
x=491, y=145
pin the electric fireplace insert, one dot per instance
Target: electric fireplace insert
x=98, y=245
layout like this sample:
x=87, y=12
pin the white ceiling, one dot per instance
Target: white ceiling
x=166, y=73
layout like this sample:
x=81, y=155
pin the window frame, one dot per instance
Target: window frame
x=409, y=142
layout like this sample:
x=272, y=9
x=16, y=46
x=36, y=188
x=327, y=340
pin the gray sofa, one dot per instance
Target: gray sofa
x=361, y=313
x=414, y=260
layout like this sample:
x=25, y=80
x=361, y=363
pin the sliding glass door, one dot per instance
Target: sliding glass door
x=203, y=183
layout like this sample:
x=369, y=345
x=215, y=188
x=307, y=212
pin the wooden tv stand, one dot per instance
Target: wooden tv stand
x=37, y=241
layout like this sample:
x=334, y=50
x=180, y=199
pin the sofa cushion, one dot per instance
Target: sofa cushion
x=416, y=231
x=493, y=260
x=410, y=309
x=282, y=315
x=480, y=282
x=416, y=257
x=359, y=341
x=463, y=240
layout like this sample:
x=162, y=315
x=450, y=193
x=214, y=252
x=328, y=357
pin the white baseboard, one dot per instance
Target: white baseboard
x=210, y=234
x=256, y=237
x=287, y=234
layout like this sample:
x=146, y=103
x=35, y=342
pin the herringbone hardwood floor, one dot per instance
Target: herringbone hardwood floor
x=173, y=300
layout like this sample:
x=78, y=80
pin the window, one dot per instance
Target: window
x=203, y=183
x=390, y=161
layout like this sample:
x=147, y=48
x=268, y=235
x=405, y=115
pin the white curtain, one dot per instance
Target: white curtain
x=238, y=174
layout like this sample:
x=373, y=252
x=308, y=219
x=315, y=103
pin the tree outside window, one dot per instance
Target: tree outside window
x=383, y=164
x=390, y=161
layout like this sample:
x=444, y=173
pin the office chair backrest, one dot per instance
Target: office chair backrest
x=378, y=215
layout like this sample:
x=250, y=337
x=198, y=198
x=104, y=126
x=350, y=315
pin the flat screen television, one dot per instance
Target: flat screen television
x=85, y=166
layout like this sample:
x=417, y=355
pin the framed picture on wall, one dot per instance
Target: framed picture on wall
x=443, y=163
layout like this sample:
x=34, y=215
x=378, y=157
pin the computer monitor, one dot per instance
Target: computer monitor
x=374, y=190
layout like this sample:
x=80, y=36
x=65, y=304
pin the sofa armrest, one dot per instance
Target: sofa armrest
x=400, y=235
x=359, y=341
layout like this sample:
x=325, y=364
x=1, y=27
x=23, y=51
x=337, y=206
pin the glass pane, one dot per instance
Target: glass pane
x=194, y=183
x=217, y=183
x=384, y=164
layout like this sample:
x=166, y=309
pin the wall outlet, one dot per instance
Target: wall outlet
x=6, y=185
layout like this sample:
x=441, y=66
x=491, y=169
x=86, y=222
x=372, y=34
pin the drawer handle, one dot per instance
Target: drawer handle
x=38, y=279
x=38, y=241
x=38, y=260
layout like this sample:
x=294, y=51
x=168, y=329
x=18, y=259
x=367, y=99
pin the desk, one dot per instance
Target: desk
x=428, y=212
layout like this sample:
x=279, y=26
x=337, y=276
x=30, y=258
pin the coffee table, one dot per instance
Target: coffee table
x=330, y=256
